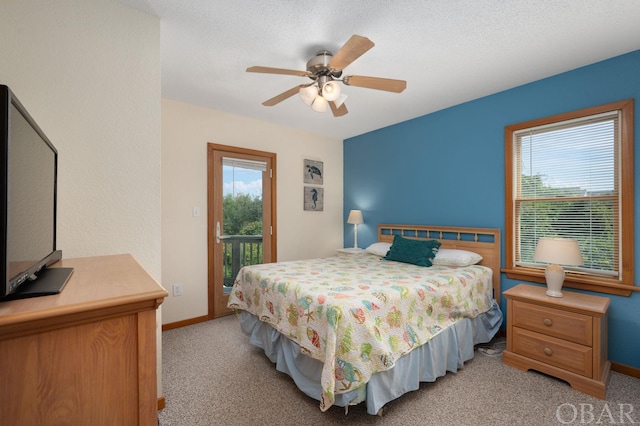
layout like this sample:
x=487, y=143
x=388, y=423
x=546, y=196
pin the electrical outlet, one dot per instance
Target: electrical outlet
x=177, y=290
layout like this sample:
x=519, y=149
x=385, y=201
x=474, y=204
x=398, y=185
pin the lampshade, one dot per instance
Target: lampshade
x=331, y=91
x=563, y=251
x=319, y=104
x=308, y=94
x=557, y=251
x=355, y=217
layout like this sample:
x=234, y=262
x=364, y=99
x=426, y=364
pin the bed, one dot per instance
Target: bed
x=353, y=329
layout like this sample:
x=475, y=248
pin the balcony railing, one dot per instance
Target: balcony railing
x=239, y=251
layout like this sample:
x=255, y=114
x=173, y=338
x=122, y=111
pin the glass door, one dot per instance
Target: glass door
x=240, y=217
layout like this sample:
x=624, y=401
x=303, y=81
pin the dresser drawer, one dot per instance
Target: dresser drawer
x=560, y=353
x=553, y=322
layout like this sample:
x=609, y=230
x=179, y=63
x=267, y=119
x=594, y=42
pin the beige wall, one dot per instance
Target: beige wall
x=88, y=71
x=186, y=129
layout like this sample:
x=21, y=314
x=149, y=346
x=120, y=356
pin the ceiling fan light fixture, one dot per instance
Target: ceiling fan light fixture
x=326, y=72
x=331, y=90
x=319, y=104
x=308, y=94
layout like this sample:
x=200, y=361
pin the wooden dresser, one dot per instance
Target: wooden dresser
x=565, y=337
x=86, y=356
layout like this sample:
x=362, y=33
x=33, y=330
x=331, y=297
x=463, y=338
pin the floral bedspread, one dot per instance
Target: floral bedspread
x=359, y=314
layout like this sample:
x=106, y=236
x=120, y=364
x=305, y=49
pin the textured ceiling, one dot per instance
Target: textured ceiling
x=448, y=51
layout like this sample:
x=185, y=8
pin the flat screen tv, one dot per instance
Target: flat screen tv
x=28, y=196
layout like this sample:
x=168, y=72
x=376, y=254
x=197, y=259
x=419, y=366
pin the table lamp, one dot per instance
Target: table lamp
x=355, y=218
x=556, y=251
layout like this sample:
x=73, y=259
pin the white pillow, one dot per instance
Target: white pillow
x=453, y=257
x=379, y=249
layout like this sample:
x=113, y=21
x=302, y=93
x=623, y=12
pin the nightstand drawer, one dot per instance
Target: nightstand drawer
x=560, y=353
x=554, y=322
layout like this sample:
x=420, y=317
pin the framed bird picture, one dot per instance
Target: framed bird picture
x=313, y=198
x=313, y=172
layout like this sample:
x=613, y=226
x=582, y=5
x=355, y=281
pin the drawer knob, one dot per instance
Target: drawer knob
x=548, y=322
x=547, y=351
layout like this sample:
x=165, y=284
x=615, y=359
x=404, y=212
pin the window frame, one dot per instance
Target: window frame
x=610, y=285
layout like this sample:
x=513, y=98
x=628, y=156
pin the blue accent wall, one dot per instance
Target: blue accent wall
x=447, y=168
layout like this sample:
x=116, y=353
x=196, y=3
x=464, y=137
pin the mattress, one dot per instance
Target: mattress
x=359, y=315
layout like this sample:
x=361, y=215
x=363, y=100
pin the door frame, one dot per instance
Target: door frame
x=211, y=223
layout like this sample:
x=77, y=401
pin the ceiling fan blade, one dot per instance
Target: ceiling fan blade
x=355, y=47
x=377, y=83
x=338, y=111
x=282, y=96
x=269, y=70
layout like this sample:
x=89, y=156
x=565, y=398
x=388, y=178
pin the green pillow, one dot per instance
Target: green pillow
x=416, y=252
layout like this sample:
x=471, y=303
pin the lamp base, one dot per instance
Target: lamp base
x=555, y=277
x=355, y=235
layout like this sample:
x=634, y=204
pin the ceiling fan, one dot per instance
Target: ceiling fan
x=325, y=70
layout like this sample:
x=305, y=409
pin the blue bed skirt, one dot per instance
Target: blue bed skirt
x=447, y=351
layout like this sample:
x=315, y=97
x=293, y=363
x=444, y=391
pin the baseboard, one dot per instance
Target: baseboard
x=160, y=403
x=184, y=323
x=625, y=369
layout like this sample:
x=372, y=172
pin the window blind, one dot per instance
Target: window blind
x=244, y=164
x=567, y=185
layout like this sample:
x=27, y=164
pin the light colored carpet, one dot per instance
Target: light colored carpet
x=213, y=376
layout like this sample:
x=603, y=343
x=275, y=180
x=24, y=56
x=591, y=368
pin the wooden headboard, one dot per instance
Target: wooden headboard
x=484, y=241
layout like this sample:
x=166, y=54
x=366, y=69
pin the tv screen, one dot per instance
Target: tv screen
x=28, y=184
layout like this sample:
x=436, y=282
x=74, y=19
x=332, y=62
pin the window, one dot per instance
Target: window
x=571, y=176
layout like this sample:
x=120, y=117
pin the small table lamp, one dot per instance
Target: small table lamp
x=557, y=251
x=355, y=218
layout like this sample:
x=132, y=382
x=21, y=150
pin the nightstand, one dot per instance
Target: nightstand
x=350, y=252
x=565, y=337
